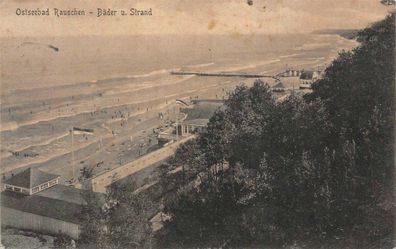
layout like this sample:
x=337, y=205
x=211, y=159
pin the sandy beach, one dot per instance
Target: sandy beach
x=123, y=109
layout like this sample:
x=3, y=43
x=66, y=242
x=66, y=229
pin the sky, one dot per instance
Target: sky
x=191, y=17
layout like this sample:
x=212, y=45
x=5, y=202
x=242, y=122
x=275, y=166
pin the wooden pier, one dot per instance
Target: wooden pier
x=223, y=74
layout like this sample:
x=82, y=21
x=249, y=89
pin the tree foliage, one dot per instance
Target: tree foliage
x=117, y=220
x=317, y=167
x=266, y=172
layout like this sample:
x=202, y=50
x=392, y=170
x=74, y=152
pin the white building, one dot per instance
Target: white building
x=309, y=77
x=31, y=181
x=33, y=200
x=192, y=126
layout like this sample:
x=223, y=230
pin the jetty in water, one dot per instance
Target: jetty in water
x=223, y=74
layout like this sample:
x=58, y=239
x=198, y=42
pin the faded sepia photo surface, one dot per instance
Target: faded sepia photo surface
x=197, y=124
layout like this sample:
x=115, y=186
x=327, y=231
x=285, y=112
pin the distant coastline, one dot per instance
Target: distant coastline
x=345, y=33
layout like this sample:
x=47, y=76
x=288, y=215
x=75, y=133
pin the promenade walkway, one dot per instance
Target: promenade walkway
x=99, y=182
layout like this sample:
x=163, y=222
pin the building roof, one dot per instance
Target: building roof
x=58, y=202
x=43, y=206
x=30, y=178
x=64, y=193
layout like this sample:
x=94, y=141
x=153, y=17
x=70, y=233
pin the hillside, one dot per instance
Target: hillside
x=346, y=33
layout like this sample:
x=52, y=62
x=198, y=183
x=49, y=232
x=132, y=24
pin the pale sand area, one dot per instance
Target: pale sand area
x=54, y=154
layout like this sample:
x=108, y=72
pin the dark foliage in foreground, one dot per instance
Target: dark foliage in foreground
x=312, y=169
x=306, y=170
x=117, y=220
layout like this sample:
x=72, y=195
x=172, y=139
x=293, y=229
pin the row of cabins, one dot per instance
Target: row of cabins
x=306, y=78
x=292, y=73
x=298, y=72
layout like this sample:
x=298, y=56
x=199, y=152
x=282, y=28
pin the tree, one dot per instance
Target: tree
x=388, y=2
x=358, y=90
x=313, y=168
x=86, y=173
x=128, y=225
x=93, y=217
x=119, y=219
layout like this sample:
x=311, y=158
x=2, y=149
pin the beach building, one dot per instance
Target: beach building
x=308, y=77
x=292, y=73
x=193, y=126
x=31, y=181
x=33, y=200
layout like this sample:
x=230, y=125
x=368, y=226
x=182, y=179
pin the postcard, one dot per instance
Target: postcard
x=197, y=124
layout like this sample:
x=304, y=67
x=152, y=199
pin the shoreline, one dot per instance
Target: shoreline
x=110, y=102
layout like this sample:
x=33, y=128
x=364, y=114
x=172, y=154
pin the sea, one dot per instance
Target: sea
x=49, y=84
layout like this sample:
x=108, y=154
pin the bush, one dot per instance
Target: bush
x=316, y=168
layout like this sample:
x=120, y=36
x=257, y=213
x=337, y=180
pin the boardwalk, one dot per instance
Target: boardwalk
x=224, y=74
x=99, y=183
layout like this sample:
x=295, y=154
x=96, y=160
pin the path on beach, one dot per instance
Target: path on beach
x=100, y=182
